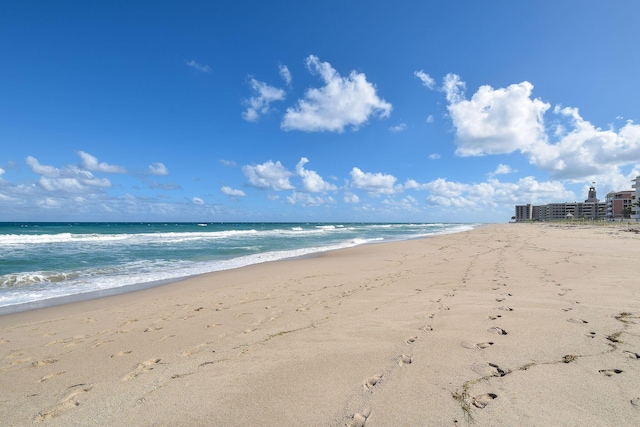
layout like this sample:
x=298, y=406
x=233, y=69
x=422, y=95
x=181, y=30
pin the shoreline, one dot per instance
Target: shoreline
x=506, y=324
x=134, y=287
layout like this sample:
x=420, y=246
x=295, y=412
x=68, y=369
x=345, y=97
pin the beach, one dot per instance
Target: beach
x=506, y=324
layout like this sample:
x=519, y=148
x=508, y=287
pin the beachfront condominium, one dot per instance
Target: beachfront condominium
x=591, y=209
x=619, y=205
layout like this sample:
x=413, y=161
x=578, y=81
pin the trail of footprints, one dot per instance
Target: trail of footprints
x=493, y=370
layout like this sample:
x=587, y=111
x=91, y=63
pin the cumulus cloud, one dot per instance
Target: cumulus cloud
x=398, y=128
x=493, y=192
x=231, y=192
x=199, y=67
x=157, y=169
x=351, y=198
x=375, y=184
x=433, y=156
x=426, y=79
x=430, y=118
x=502, y=170
x=91, y=163
x=70, y=179
x=268, y=175
x=305, y=199
x=285, y=74
x=341, y=102
x=259, y=104
x=496, y=121
x=197, y=201
x=506, y=120
x=312, y=182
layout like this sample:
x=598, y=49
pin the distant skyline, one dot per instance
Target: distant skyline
x=314, y=111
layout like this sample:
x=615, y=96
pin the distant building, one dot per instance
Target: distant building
x=591, y=209
x=636, y=199
x=619, y=203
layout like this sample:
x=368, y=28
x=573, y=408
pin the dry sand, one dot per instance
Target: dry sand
x=513, y=324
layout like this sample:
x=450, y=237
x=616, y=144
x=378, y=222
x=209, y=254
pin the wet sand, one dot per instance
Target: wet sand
x=511, y=324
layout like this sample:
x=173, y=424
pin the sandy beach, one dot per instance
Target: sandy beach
x=510, y=324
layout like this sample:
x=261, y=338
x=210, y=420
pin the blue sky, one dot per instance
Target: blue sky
x=314, y=111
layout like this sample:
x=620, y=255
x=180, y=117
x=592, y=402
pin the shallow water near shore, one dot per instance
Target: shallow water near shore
x=41, y=262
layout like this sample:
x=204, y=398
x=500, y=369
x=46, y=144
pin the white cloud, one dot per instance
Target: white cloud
x=231, y=192
x=312, y=182
x=430, y=118
x=398, y=128
x=502, y=170
x=305, y=199
x=228, y=163
x=454, y=88
x=374, y=184
x=158, y=169
x=494, y=193
x=342, y=102
x=425, y=78
x=199, y=67
x=2, y=171
x=351, y=198
x=498, y=121
x=285, y=74
x=268, y=175
x=71, y=179
x=197, y=201
x=91, y=163
x=44, y=170
x=433, y=156
x=505, y=120
x=260, y=102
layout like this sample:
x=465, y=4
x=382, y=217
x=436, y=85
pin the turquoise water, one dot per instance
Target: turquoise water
x=42, y=261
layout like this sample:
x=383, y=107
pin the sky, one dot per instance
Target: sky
x=307, y=111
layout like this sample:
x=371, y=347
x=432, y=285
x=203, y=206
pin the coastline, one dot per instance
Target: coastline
x=506, y=324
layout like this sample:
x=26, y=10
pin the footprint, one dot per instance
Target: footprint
x=499, y=372
x=632, y=354
x=494, y=317
x=147, y=365
x=567, y=309
x=497, y=330
x=635, y=401
x=426, y=328
x=360, y=418
x=411, y=340
x=404, y=360
x=48, y=377
x=43, y=362
x=610, y=372
x=152, y=329
x=194, y=350
x=99, y=343
x=483, y=400
x=484, y=345
x=65, y=404
x=500, y=299
x=505, y=308
x=121, y=353
x=591, y=334
x=574, y=320
x=480, y=346
x=372, y=381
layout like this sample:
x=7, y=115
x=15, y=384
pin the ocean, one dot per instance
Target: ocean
x=47, y=263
